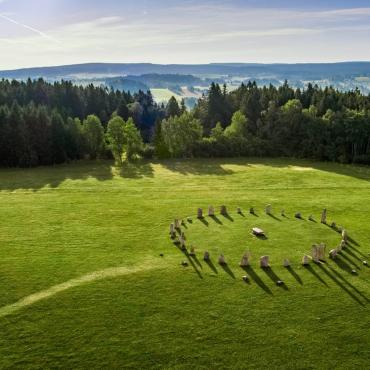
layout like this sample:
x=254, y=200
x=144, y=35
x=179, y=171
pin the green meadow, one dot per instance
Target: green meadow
x=83, y=283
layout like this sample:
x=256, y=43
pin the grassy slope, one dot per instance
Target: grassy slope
x=61, y=223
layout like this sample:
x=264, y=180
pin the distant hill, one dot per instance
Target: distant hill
x=280, y=71
x=197, y=77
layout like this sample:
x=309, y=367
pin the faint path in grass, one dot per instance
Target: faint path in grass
x=93, y=276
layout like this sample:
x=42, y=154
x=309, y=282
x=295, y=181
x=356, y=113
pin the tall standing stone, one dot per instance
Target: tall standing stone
x=268, y=209
x=211, y=211
x=245, y=260
x=239, y=210
x=222, y=260
x=318, y=252
x=305, y=260
x=200, y=213
x=333, y=253
x=182, y=242
x=172, y=230
x=177, y=224
x=286, y=263
x=223, y=210
x=323, y=216
x=206, y=256
x=264, y=261
x=345, y=235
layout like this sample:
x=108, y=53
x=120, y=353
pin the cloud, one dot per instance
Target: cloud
x=197, y=33
x=3, y=16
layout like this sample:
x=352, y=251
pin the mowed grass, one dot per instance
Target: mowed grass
x=97, y=233
x=164, y=95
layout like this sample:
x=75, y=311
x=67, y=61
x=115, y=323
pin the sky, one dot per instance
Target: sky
x=56, y=32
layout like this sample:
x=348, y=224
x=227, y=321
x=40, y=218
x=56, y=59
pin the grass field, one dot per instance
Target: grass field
x=164, y=95
x=82, y=283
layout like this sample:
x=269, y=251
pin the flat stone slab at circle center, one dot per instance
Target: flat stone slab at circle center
x=258, y=232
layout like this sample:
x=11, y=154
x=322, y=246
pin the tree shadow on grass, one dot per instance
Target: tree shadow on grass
x=216, y=219
x=211, y=266
x=272, y=275
x=317, y=276
x=227, y=269
x=197, y=167
x=295, y=275
x=136, y=170
x=249, y=270
x=37, y=178
x=344, y=288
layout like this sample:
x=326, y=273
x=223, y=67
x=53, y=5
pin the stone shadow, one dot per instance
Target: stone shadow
x=216, y=219
x=316, y=275
x=295, y=275
x=211, y=266
x=203, y=221
x=341, y=285
x=272, y=275
x=250, y=271
x=227, y=269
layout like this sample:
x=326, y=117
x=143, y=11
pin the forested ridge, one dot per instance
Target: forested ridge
x=43, y=123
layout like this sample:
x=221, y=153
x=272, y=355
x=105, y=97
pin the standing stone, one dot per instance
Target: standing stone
x=251, y=211
x=341, y=246
x=183, y=235
x=305, y=260
x=333, y=254
x=286, y=263
x=345, y=235
x=283, y=212
x=239, y=210
x=222, y=260
x=223, y=210
x=323, y=216
x=172, y=230
x=182, y=242
x=177, y=224
x=268, y=209
x=200, y=213
x=192, y=251
x=245, y=260
x=206, y=256
x=318, y=252
x=322, y=249
x=211, y=211
x=333, y=225
x=298, y=215
x=264, y=261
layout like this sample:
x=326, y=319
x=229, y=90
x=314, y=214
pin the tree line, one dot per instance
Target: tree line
x=49, y=123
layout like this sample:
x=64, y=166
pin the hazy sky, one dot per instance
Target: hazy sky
x=54, y=32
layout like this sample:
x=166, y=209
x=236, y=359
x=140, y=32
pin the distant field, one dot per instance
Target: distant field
x=83, y=285
x=163, y=95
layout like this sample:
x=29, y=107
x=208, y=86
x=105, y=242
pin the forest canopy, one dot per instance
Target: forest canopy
x=43, y=123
